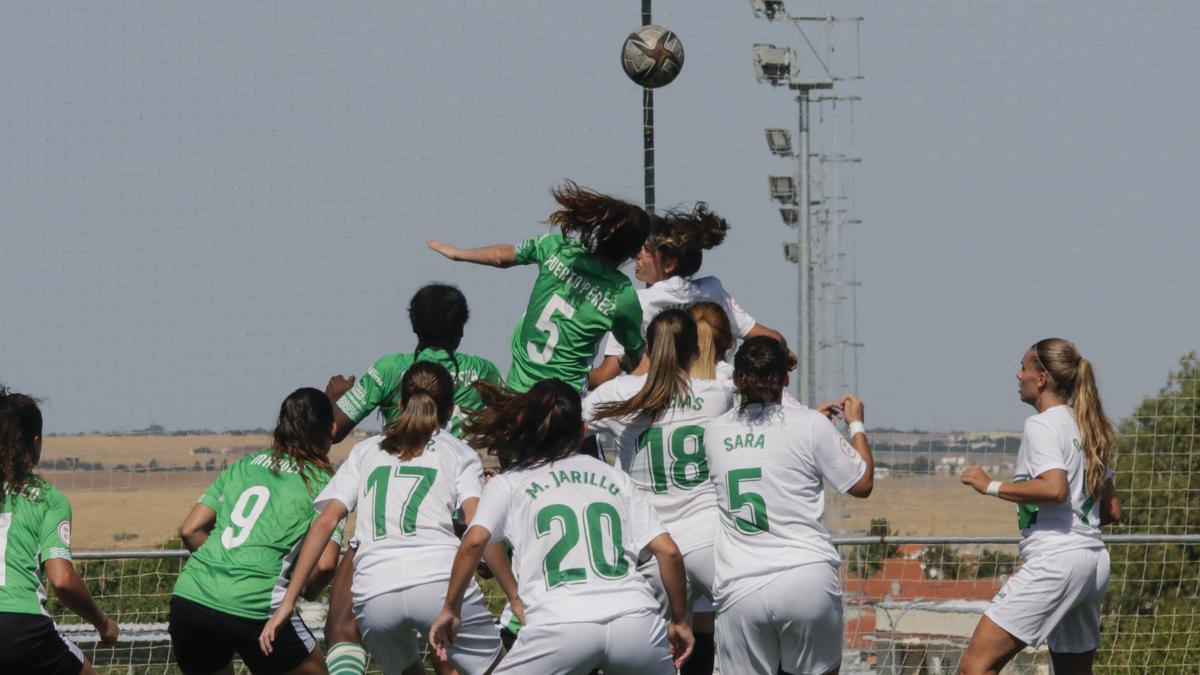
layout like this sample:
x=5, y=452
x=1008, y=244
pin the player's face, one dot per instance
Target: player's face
x=1030, y=378
x=649, y=266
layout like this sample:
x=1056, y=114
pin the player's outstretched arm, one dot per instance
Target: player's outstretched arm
x=323, y=573
x=445, y=627
x=760, y=329
x=74, y=594
x=335, y=389
x=1049, y=486
x=315, y=542
x=496, y=255
x=196, y=526
x=674, y=579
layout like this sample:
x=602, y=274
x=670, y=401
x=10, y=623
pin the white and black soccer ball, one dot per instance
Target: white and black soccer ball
x=652, y=56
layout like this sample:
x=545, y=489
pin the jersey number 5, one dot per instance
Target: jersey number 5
x=594, y=517
x=546, y=324
x=739, y=499
x=418, y=478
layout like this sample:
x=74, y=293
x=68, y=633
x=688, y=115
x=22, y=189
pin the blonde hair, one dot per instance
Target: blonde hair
x=671, y=340
x=427, y=394
x=714, y=336
x=1075, y=378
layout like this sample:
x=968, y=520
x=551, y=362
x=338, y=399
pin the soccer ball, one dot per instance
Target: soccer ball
x=652, y=56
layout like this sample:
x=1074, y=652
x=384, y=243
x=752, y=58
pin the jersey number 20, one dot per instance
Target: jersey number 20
x=594, y=517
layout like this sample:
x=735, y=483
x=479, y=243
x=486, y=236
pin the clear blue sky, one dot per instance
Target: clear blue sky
x=206, y=205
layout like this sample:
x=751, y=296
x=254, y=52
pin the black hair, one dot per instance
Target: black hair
x=20, y=427
x=438, y=313
x=542, y=425
x=760, y=371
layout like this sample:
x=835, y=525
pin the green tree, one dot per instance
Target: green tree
x=867, y=560
x=995, y=563
x=942, y=562
x=1150, y=618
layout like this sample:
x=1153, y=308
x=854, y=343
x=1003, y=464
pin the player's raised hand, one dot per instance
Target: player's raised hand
x=338, y=385
x=108, y=630
x=442, y=632
x=976, y=477
x=853, y=409
x=830, y=409
x=681, y=641
x=442, y=247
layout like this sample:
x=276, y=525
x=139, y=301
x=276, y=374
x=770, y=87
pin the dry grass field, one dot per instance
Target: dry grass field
x=112, y=506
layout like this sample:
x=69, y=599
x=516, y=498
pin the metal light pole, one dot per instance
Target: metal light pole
x=647, y=130
x=806, y=316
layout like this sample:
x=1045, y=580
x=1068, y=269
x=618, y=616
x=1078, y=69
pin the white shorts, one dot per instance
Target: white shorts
x=700, y=567
x=793, y=623
x=634, y=644
x=392, y=625
x=1055, y=598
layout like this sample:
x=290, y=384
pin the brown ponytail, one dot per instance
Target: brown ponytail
x=605, y=226
x=759, y=371
x=683, y=236
x=1074, y=376
x=526, y=430
x=714, y=337
x=427, y=396
x=671, y=343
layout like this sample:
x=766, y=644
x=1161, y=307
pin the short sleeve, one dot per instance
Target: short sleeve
x=54, y=540
x=536, y=249
x=837, y=460
x=605, y=393
x=344, y=484
x=490, y=373
x=610, y=347
x=469, y=481
x=492, y=511
x=742, y=322
x=214, y=495
x=366, y=394
x=646, y=524
x=627, y=324
x=1042, y=447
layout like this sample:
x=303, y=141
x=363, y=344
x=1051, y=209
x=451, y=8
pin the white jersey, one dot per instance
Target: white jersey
x=665, y=457
x=576, y=527
x=404, y=528
x=770, y=465
x=680, y=293
x=1051, y=441
x=725, y=374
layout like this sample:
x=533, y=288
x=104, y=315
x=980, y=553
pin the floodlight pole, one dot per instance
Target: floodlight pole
x=647, y=129
x=806, y=316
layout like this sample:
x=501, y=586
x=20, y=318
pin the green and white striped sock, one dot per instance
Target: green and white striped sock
x=346, y=658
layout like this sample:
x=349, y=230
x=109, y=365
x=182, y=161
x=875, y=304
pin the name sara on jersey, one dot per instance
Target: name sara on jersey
x=560, y=478
x=597, y=297
x=757, y=441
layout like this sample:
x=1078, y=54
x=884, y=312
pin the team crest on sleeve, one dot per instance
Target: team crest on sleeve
x=64, y=532
x=847, y=449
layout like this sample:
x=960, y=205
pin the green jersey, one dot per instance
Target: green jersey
x=263, y=511
x=35, y=526
x=379, y=387
x=575, y=301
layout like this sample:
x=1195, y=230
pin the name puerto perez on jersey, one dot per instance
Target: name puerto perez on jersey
x=594, y=295
x=561, y=478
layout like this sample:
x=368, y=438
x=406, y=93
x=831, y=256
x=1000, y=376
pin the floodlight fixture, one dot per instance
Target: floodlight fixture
x=791, y=251
x=783, y=188
x=767, y=8
x=790, y=215
x=780, y=141
x=772, y=64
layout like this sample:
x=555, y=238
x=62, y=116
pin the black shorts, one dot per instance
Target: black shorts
x=205, y=640
x=33, y=645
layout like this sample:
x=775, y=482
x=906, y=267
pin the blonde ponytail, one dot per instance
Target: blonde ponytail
x=672, y=343
x=714, y=337
x=1074, y=376
x=427, y=395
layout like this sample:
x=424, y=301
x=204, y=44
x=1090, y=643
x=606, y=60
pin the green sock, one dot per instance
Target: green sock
x=346, y=658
